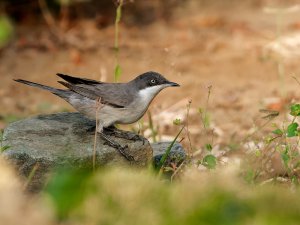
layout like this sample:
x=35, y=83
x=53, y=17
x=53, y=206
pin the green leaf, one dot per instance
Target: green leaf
x=206, y=119
x=268, y=139
x=208, y=147
x=295, y=180
x=67, y=188
x=209, y=161
x=257, y=153
x=295, y=110
x=278, y=132
x=119, y=12
x=3, y=148
x=292, y=130
x=285, y=158
x=250, y=176
x=177, y=122
x=6, y=30
x=118, y=72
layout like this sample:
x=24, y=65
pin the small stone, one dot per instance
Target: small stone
x=176, y=156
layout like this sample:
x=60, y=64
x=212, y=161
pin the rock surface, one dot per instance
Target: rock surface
x=176, y=155
x=65, y=139
x=46, y=142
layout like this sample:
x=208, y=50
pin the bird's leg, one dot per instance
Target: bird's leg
x=114, y=144
x=117, y=146
x=112, y=130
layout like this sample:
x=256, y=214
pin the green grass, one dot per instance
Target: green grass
x=2, y=147
x=126, y=196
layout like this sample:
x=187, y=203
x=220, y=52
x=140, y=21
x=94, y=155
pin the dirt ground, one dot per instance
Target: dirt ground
x=228, y=47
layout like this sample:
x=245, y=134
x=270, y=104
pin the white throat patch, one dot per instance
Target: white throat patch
x=149, y=93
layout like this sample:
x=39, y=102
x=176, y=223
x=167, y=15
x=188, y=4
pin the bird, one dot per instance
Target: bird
x=109, y=103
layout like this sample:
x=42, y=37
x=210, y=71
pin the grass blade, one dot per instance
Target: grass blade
x=165, y=156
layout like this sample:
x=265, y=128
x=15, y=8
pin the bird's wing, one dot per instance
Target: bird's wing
x=77, y=80
x=109, y=94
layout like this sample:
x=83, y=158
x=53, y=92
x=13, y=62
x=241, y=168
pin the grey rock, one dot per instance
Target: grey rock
x=176, y=155
x=64, y=139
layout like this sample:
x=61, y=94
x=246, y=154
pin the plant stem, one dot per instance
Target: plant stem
x=98, y=107
x=165, y=156
x=117, y=72
x=187, y=126
x=204, y=116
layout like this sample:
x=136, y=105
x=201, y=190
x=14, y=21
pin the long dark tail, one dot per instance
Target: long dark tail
x=60, y=92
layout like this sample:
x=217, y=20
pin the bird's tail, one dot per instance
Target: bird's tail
x=60, y=92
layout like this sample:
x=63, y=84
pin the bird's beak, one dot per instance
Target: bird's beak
x=172, y=84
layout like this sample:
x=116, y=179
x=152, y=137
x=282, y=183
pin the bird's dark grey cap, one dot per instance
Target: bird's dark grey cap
x=150, y=79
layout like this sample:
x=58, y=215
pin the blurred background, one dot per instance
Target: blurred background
x=246, y=51
x=232, y=59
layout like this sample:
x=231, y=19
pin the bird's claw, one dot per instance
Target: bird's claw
x=123, y=151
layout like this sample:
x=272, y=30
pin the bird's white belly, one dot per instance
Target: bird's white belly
x=110, y=115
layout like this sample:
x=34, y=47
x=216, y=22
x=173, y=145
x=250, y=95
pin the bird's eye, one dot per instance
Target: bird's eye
x=153, y=81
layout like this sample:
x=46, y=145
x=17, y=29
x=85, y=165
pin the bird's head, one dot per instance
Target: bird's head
x=153, y=80
x=149, y=84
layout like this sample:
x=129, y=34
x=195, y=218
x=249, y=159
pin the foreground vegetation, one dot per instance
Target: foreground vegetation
x=126, y=196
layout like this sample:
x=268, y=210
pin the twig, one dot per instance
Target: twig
x=187, y=125
x=177, y=170
x=49, y=19
x=98, y=107
x=258, y=129
x=295, y=78
x=140, y=127
x=151, y=127
x=31, y=175
x=64, y=16
x=204, y=113
x=207, y=101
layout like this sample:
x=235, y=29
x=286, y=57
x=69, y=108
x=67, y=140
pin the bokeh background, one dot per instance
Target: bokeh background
x=232, y=59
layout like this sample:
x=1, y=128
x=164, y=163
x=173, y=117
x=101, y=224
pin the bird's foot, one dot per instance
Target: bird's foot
x=113, y=131
x=91, y=129
x=122, y=149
